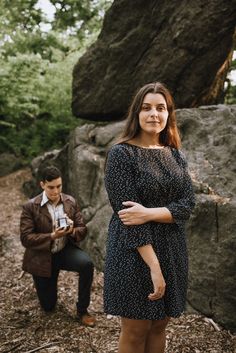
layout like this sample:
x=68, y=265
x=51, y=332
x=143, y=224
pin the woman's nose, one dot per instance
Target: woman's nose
x=154, y=112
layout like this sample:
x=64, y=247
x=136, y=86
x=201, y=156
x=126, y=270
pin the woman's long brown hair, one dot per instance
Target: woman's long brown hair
x=170, y=135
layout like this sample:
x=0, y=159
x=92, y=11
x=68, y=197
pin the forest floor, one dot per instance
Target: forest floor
x=24, y=328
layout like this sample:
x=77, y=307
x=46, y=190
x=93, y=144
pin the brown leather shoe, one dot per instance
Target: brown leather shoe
x=86, y=319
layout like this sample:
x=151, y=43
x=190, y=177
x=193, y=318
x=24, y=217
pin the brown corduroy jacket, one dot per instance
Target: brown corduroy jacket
x=35, y=233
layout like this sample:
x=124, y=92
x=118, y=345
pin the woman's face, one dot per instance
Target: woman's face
x=153, y=114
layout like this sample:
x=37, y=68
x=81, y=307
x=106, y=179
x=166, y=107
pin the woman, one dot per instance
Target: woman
x=150, y=191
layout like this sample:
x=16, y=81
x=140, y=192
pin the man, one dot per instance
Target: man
x=51, y=228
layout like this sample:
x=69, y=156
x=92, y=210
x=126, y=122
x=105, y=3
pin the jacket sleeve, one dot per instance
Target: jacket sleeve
x=29, y=237
x=80, y=229
x=182, y=206
x=120, y=187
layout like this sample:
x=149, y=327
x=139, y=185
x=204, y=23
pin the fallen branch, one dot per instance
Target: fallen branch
x=11, y=341
x=43, y=346
x=6, y=327
x=12, y=348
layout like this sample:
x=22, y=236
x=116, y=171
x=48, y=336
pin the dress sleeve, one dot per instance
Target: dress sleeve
x=182, y=206
x=120, y=187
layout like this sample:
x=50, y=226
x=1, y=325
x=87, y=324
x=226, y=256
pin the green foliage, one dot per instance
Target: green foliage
x=82, y=18
x=18, y=15
x=79, y=17
x=37, y=42
x=36, y=72
x=230, y=97
x=17, y=92
x=35, y=97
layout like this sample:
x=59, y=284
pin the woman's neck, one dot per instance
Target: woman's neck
x=147, y=141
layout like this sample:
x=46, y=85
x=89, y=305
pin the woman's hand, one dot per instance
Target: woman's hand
x=159, y=284
x=135, y=214
x=149, y=257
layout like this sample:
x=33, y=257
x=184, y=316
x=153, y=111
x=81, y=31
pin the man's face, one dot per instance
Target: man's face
x=52, y=189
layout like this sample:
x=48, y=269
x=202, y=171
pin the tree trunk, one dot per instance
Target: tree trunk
x=185, y=44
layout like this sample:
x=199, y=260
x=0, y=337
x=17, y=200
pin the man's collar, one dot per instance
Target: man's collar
x=45, y=199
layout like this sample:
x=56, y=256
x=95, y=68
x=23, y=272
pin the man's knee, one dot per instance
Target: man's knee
x=84, y=266
x=88, y=266
x=77, y=260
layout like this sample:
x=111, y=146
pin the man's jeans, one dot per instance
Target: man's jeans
x=70, y=258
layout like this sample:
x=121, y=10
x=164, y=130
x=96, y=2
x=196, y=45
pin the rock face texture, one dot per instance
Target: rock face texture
x=210, y=147
x=187, y=45
x=208, y=139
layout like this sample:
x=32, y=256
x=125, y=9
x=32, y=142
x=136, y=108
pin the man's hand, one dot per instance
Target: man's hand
x=61, y=232
x=70, y=222
x=134, y=215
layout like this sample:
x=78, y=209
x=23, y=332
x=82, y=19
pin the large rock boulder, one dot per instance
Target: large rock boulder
x=209, y=144
x=208, y=139
x=187, y=45
x=87, y=153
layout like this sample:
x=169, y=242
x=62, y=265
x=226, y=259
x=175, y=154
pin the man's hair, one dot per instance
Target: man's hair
x=50, y=173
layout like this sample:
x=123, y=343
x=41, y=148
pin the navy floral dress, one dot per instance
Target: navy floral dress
x=153, y=178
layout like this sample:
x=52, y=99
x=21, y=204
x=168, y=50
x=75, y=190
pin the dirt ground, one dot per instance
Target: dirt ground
x=24, y=328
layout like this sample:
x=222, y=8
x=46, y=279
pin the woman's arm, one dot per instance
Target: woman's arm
x=149, y=257
x=137, y=214
x=120, y=186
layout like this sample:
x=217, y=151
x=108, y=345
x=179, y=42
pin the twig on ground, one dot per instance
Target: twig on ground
x=216, y=327
x=43, y=346
x=21, y=275
x=12, y=348
x=11, y=341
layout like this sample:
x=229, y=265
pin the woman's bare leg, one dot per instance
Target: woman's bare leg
x=156, y=340
x=133, y=335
